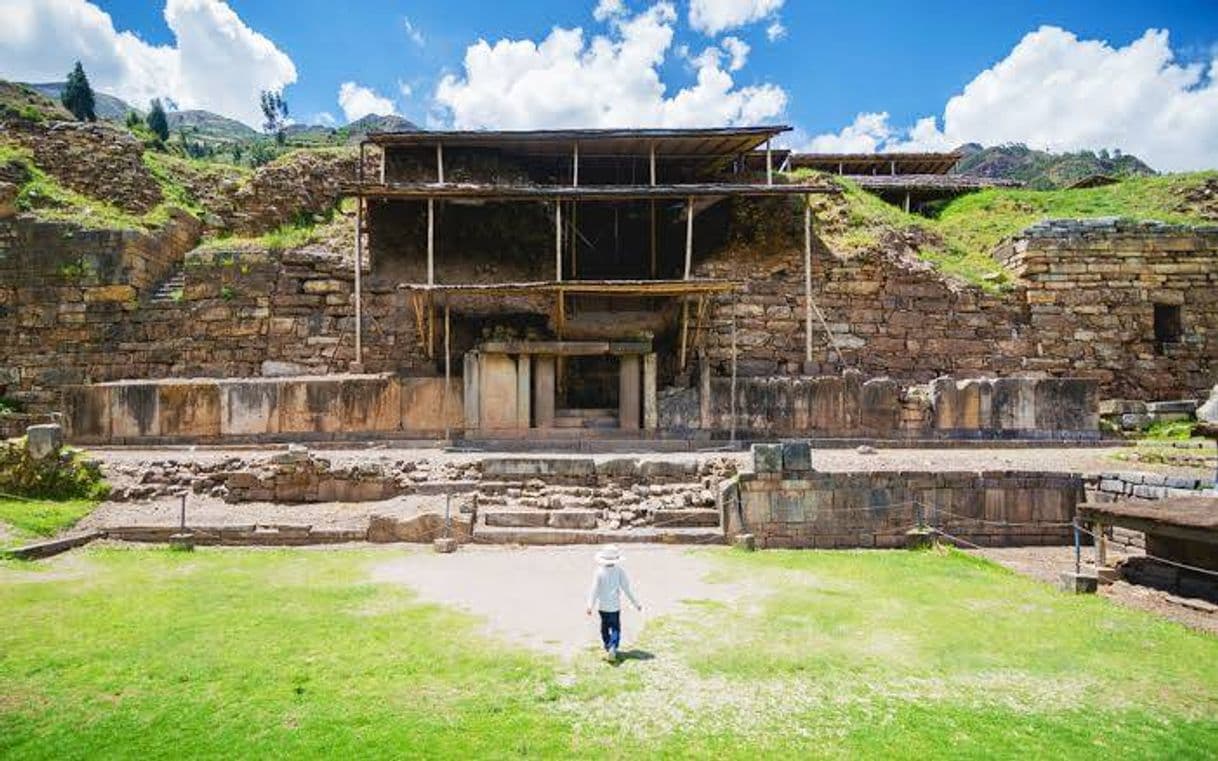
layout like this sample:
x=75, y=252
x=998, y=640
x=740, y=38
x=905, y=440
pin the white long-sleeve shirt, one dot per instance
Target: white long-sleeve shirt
x=607, y=586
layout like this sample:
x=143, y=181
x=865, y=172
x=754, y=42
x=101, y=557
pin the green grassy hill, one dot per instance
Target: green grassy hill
x=960, y=238
x=1045, y=171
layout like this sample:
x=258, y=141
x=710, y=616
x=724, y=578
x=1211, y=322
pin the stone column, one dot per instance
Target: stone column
x=628, y=393
x=543, y=391
x=651, y=401
x=472, y=391
x=524, y=390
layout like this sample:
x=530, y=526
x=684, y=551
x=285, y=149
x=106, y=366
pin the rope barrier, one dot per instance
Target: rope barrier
x=1185, y=566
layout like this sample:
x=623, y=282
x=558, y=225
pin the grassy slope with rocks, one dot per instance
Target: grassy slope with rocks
x=960, y=239
x=1045, y=171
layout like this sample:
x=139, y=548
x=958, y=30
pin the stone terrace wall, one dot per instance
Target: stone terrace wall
x=784, y=503
x=75, y=308
x=97, y=160
x=1084, y=308
x=1091, y=295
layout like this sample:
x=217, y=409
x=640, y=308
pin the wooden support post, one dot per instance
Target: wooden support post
x=440, y=163
x=906, y=201
x=431, y=326
x=431, y=241
x=1101, y=546
x=769, y=164
x=807, y=279
x=732, y=410
x=574, y=241
x=840, y=167
x=558, y=241
x=892, y=165
x=652, y=159
x=575, y=168
x=684, y=331
x=650, y=393
x=448, y=374
x=359, y=300
x=689, y=238
x=653, y=239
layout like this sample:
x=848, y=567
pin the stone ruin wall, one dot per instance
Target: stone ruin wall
x=1083, y=308
x=76, y=307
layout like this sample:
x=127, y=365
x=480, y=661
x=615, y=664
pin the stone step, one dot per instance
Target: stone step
x=586, y=412
x=585, y=422
x=534, y=535
x=558, y=519
x=692, y=517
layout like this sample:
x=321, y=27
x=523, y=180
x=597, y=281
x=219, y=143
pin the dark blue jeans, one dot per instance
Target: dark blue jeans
x=611, y=628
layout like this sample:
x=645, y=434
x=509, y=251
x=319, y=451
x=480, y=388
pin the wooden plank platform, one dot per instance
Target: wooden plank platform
x=1191, y=518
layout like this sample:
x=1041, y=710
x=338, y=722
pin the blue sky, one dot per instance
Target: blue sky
x=847, y=75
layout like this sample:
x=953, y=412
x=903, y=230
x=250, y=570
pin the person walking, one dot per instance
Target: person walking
x=609, y=583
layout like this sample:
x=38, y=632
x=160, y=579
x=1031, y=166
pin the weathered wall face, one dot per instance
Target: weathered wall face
x=1084, y=308
x=785, y=504
x=259, y=409
x=1091, y=296
x=95, y=159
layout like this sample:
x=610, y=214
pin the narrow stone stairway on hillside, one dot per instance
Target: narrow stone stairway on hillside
x=170, y=289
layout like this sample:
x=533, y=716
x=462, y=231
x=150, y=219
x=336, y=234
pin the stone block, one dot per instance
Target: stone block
x=43, y=441
x=87, y=413
x=134, y=410
x=189, y=409
x=249, y=407
x=423, y=404
x=519, y=518
x=796, y=456
x=767, y=458
x=573, y=519
x=497, y=386
x=1077, y=583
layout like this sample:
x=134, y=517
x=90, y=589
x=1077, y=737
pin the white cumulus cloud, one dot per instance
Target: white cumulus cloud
x=610, y=80
x=607, y=9
x=866, y=134
x=413, y=32
x=714, y=16
x=1057, y=92
x=775, y=31
x=737, y=50
x=358, y=101
x=217, y=62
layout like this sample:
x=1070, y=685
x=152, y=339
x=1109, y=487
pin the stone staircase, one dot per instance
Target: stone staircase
x=170, y=289
x=555, y=500
x=586, y=418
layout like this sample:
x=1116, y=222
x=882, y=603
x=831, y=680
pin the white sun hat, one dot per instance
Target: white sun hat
x=609, y=555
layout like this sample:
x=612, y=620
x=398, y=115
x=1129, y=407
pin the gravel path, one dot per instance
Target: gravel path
x=536, y=596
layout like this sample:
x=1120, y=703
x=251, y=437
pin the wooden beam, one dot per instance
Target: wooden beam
x=769, y=164
x=440, y=163
x=807, y=280
x=558, y=241
x=653, y=239
x=431, y=241
x=652, y=157
x=431, y=327
x=447, y=374
x=575, y=168
x=359, y=258
x=689, y=237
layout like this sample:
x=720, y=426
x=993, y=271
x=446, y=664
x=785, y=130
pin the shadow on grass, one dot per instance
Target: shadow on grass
x=633, y=655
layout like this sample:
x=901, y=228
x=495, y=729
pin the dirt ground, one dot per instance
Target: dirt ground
x=536, y=596
x=1046, y=563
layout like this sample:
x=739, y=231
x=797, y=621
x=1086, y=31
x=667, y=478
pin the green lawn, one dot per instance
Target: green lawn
x=25, y=519
x=246, y=653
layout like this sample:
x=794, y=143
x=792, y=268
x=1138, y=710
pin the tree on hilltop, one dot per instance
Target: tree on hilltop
x=77, y=95
x=157, y=121
x=274, y=112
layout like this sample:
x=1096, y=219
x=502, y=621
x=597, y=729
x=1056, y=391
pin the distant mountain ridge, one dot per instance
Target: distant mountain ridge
x=1043, y=170
x=105, y=106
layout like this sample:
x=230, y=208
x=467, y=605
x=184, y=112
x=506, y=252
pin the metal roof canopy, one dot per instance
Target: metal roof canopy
x=685, y=143
x=877, y=163
x=424, y=190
